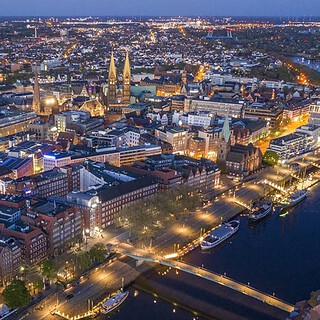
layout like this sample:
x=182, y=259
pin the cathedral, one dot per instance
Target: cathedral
x=117, y=96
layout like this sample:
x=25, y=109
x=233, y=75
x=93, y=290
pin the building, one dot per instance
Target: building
x=20, y=167
x=314, y=115
x=13, y=121
x=10, y=259
x=114, y=156
x=291, y=145
x=117, y=97
x=33, y=150
x=243, y=160
x=216, y=106
x=197, y=147
x=61, y=223
x=32, y=240
x=177, y=136
x=115, y=198
x=273, y=114
x=296, y=110
x=146, y=138
x=40, y=129
x=224, y=143
x=172, y=170
x=58, y=181
x=101, y=207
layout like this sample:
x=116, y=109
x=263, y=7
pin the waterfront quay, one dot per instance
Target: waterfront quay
x=179, y=239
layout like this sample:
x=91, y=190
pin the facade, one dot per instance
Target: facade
x=197, y=147
x=116, y=157
x=10, y=259
x=314, y=115
x=220, y=106
x=172, y=170
x=40, y=129
x=100, y=208
x=20, y=167
x=14, y=121
x=117, y=98
x=177, y=136
x=243, y=160
x=61, y=223
x=115, y=198
x=271, y=113
x=57, y=182
x=32, y=240
x=291, y=145
x=295, y=111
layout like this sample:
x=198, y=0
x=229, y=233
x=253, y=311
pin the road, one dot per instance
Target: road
x=103, y=279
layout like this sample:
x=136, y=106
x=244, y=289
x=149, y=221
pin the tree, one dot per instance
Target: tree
x=16, y=294
x=85, y=260
x=49, y=269
x=38, y=284
x=98, y=252
x=271, y=158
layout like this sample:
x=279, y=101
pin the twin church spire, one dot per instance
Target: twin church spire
x=118, y=98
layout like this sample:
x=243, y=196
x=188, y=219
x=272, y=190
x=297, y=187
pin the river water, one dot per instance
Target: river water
x=312, y=64
x=279, y=255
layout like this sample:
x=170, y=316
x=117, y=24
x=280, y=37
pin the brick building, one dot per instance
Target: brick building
x=32, y=240
x=10, y=259
x=61, y=223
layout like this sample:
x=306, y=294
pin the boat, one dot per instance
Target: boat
x=220, y=234
x=260, y=212
x=114, y=302
x=283, y=214
x=294, y=198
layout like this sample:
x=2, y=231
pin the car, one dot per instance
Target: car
x=69, y=296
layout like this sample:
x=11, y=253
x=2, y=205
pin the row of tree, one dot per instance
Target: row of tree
x=145, y=217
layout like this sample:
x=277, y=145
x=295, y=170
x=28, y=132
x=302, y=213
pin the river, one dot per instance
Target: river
x=279, y=255
x=312, y=64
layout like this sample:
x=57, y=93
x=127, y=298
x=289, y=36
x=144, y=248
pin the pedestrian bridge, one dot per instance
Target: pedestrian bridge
x=168, y=261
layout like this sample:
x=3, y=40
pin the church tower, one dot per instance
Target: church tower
x=224, y=143
x=184, y=78
x=126, y=80
x=112, y=82
x=36, y=95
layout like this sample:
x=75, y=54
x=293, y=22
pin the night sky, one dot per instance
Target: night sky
x=284, y=8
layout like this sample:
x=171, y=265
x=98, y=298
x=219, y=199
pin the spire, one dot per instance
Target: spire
x=126, y=80
x=126, y=69
x=226, y=130
x=112, y=68
x=36, y=94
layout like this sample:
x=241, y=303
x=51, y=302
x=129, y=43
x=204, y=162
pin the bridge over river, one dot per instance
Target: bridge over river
x=143, y=255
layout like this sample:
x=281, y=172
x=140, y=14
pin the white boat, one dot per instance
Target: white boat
x=220, y=234
x=260, y=212
x=294, y=198
x=114, y=302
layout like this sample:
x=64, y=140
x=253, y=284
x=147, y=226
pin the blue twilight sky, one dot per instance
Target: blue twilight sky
x=213, y=8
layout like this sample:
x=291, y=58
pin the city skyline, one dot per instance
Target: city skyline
x=283, y=8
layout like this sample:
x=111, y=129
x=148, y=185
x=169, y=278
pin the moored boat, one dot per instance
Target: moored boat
x=294, y=198
x=113, y=302
x=220, y=234
x=260, y=212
